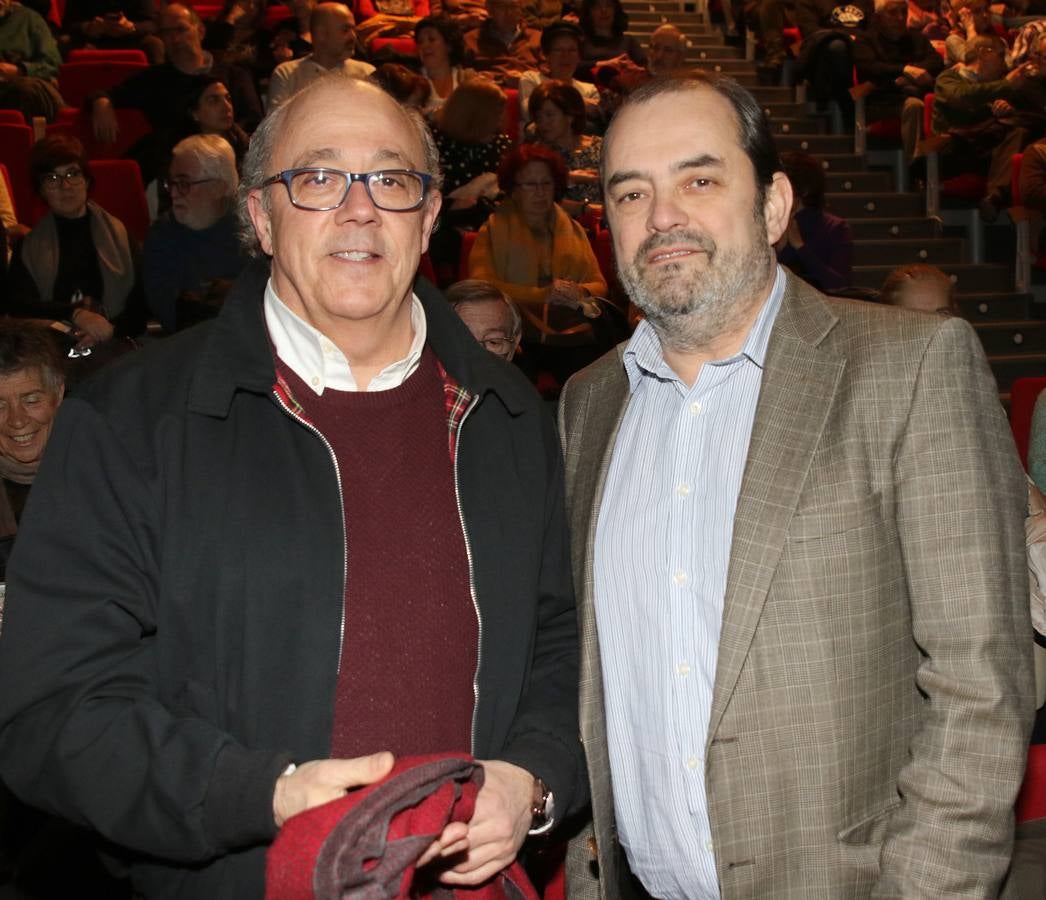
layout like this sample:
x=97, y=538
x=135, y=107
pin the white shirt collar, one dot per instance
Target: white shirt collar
x=319, y=363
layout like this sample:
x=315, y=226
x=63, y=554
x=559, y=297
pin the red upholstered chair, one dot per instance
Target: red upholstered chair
x=274, y=14
x=132, y=124
x=510, y=123
x=1031, y=801
x=118, y=189
x=1023, y=394
x=16, y=142
x=89, y=54
x=11, y=117
x=385, y=47
x=78, y=80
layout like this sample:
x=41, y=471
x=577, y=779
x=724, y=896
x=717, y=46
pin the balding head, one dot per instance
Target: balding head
x=333, y=33
x=667, y=50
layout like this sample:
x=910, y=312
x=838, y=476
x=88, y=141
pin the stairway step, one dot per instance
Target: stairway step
x=871, y=182
x=969, y=277
x=1008, y=368
x=687, y=22
x=767, y=95
x=805, y=126
x=837, y=163
x=707, y=55
x=731, y=66
x=878, y=205
x=784, y=110
x=817, y=144
x=1001, y=338
x=986, y=307
x=899, y=251
x=898, y=227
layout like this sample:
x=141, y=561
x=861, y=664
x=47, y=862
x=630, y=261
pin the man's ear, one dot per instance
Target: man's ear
x=429, y=215
x=777, y=208
x=261, y=218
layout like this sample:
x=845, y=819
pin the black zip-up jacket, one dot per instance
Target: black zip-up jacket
x=174, y=600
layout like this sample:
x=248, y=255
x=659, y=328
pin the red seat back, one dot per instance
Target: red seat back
x=118, y=189
x=1015, y=177
x=16, y=142
x=78, y=80
x=1031, y=801
x=89, y=54
x=1023, y=394
x=11, y=117
x=510, y=122
x=274, y=14
x=132, y=124
x=928, y=102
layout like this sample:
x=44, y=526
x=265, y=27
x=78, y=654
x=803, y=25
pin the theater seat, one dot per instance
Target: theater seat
x=118, y=189
x=89, y=54
x=16, y=142
x=78, y=80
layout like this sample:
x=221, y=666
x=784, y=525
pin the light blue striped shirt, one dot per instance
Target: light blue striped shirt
x=661, y=556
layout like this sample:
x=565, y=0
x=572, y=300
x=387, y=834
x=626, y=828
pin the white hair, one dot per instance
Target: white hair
x=215, y=157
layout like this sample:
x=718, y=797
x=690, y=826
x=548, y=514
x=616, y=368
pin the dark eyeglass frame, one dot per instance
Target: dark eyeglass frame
x=351, y=178
x=183, y=186
x=74, y=178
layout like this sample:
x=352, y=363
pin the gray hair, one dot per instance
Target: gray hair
x=215, y=157
x=474, y=290
x=257, y=165
x=980, y=44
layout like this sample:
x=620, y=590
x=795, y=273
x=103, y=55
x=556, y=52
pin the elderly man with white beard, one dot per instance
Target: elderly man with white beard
x=193, y=254
x=797, y=526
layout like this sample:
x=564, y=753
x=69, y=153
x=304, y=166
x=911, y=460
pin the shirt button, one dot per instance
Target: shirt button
x=327, y=348
x=708, y=845
x=695, y=408
x=316, y=380
x=683, y=668
x=683, y=489
x=693, y=762
x=679, y=577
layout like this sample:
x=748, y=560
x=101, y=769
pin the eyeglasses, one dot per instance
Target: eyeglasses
x=72, y=178
x=319, y=190
x=500, y=346
x=535, y=186
x=182, y=186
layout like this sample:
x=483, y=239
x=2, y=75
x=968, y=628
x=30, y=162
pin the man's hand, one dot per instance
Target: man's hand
x=103, y=121
x=918, y=76
x=96, y=328
x=8, y=71
x=322, y=780
x=1002, y=108
x=496, y=831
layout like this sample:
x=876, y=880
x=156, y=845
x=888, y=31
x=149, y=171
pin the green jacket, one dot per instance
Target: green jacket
x=961, y=103
x=26, y=41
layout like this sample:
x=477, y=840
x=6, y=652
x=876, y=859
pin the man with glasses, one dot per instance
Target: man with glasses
x=489, y=315
x=325, y=526
x=193, y=254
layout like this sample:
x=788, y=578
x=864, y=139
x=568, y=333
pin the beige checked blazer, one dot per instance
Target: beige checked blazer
x=873, y=697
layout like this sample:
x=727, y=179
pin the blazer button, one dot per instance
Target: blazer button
x=593, y=848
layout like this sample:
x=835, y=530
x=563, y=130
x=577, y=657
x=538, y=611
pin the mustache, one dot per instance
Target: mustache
x=675, y=239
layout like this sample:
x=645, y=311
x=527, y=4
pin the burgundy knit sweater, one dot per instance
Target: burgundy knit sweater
x=411, y=637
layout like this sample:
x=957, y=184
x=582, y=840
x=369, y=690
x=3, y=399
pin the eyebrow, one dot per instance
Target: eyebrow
x=332, y=154
x=704, y=161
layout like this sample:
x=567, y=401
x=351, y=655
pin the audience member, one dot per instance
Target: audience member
x=32, y=385
x=559, y=120
x=561, y=45
x=504, y=45
x=1033, y=177
x=974, y=103
x=333, y=31
x=901, y=63
x=534, y=252
x=926, y=17
x=160, y=90
x=468, y=14
x=489, y=314
x=767, y=18
x=541, y=13
x=922, y=288
x=441, y=49
x=973, y=17
x=78, y=264
x=826, y=57
x=113, y=24
x=816, y=245
x=407, y=86
x=29, y=61
x=604, y=23
x=192, y=254
x=667, y=50
x=210, y=112
x=388, y=18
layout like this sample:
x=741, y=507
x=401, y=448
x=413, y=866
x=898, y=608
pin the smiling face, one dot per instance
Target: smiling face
x=692, y=240
x=354, y=264
x=27, y=410
x=432, y=49
x=214, y=110
x=563, y=57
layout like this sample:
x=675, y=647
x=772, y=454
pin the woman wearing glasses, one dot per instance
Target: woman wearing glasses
x=78, y=265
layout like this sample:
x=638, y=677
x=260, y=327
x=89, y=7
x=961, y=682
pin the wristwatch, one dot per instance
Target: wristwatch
x=543, y=809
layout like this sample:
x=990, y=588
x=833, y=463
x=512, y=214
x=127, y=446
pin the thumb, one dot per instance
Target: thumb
x=364, y=769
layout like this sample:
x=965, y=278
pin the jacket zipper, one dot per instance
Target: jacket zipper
x=341, y=508
x=472, y=582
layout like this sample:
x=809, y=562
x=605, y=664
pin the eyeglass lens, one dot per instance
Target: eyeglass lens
x=72, y=178
x=321, y=189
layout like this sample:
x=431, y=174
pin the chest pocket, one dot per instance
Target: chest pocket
x=819, y=520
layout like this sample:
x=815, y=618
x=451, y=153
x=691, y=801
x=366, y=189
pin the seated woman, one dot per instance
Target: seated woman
x=558, y=112
x=210, y=112
x=534, y=252
x=32, y=385
x=604, y=23
x=818, y=247
x=561, y=44
x=78, y=264
x=441, y=49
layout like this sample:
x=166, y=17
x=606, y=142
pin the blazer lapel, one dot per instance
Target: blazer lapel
x=799, y=383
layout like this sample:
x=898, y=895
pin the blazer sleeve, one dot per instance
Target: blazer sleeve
x=84, y=731
x=960, y=506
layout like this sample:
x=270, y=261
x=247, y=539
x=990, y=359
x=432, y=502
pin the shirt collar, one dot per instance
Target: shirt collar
x=319, y=363
x=643, y=356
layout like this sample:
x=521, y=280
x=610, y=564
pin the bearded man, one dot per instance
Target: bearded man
x=798, y=554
